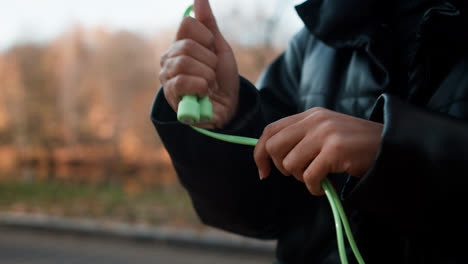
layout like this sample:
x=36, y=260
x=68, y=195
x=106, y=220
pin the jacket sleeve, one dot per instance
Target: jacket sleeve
x=418, y=181
x=222, y=178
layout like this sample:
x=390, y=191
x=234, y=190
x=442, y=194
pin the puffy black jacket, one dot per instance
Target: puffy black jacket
x=401, y=63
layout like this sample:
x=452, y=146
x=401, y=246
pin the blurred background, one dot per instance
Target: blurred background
x=77, y=80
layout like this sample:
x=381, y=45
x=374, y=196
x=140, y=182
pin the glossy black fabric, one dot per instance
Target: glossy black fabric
x=408, y=207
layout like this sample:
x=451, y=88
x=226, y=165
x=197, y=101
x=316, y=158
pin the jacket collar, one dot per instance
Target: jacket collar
x=384, y=27
x=353, y=22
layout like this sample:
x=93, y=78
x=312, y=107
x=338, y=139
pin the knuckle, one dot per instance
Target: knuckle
x=266, y=131
x=180, y=63
x=184, y=26
x=211, y=75
x=179, y=81
x=176, y=66
x=162, y=76
x=190, y=20
x=186, y=46
x=320, y=114
x=270, y=147
x=328, y=127
x=162, y=59
x=269, y=130
x=336, y=144
x=211, y=39
x=289, y=165
x=318, y=109
x=203, y=89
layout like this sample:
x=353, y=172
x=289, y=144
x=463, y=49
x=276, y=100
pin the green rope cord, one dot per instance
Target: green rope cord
x=188, y=11
x=344, y=219
x=228, y=138
x=336, y=217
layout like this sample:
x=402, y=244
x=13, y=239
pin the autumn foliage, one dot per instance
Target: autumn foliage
x=83, y=100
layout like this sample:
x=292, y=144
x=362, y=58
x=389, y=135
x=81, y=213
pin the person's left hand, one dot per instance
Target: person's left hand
x=312, y=144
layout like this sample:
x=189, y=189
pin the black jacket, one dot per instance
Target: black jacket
x=402, y=64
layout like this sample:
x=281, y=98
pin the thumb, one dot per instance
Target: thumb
x=204, y=14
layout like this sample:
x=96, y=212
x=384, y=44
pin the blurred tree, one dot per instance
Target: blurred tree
x=262, y=22
x=11, y=98
x=25, y=89
x=85, y=97
x=66, y=60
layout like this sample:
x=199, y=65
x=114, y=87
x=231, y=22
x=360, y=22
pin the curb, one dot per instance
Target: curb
x=207, y=239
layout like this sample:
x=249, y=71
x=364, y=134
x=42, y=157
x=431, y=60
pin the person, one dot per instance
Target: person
x=372, y=94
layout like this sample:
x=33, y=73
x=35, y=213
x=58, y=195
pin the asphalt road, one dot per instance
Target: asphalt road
x=19, y=246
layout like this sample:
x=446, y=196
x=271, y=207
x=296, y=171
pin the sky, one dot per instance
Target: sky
x=43, y=20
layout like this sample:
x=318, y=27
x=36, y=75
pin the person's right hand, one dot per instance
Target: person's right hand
x=201, y=62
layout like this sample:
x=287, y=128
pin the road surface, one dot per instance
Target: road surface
x=20, y=246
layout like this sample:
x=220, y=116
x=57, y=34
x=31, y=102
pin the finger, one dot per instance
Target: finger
x=181, y=85
x=171, y=99
x=185, y=65
x=191, y=28
x=315, y=173
x=191, y=48
x=262, y=159
x=204, y=14
x=300, y=157
x=279, y=145
x=261, y=155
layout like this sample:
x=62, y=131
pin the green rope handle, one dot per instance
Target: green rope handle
x=339, y=215
x=193, y=109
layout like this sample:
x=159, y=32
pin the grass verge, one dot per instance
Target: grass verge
x=160, y=205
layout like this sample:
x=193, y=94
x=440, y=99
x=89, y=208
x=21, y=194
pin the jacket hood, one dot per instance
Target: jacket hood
x=352, y=22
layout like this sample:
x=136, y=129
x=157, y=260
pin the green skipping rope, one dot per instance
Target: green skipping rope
x=339, y=215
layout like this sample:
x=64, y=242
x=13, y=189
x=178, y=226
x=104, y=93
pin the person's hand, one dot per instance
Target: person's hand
x=312, y=144
x=201, y=62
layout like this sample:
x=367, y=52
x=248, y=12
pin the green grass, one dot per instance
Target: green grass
x=161, y=205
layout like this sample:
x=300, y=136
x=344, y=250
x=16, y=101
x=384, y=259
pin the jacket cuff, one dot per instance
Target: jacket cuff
x=246, y=120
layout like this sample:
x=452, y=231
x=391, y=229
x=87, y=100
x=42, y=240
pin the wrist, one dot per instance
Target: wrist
x=247, y=108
